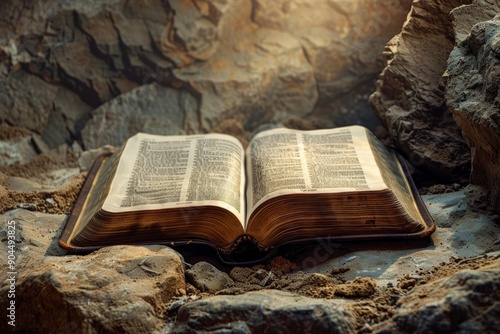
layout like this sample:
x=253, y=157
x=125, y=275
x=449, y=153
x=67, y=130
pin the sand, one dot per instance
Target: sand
x=49, y=183
x=374, y=274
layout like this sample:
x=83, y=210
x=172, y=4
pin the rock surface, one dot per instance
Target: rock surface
x=473, y=91
x=150, y=108
x=270, y=311
x=348, y=286
x=467, y=302
x=206, y=278
x=249, y=61
x=410, y=93
x=114, y=67
x=124, y=289
x=17, y=146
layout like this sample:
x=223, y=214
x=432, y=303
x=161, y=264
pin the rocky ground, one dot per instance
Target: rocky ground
x=75, y=74
x=449, y=282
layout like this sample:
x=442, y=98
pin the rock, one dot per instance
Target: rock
x=19, y=146
x=207, y=278
x=466, y=16
x=342, y=54
x=410, y=92
x=48, y=110
x=27, y=206
x=241, y=62
x=195, y=31
x=62, y=59
x=150, y=108
x=473, y=93
x=467, y=302
x=265, y=311
x=50, y=202
x=87, y=158
x=36, y=236
x=281, y=65
x=264, y=78
x=123, y=289
x=19, y=151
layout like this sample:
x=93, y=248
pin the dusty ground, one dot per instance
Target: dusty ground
x=51, y=182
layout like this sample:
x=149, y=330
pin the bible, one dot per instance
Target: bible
x=287, y=186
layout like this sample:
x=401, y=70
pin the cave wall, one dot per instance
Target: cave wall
x=410, y=95
x=99, y=71
x=473, y=91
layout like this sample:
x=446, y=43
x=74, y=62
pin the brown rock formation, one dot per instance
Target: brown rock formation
x=466, y=302
x=410, y=93
x=473, y=92
x=252, y=61
x=151, y=107
x=122, y=289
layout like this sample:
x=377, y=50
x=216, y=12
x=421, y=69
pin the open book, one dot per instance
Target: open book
x=288, y=186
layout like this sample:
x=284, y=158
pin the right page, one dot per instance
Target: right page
x=284, y=161
x=340, y=183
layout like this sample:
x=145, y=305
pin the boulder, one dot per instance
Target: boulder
x=466, y=302
x=122, y=289
x=410, y=97
x=265, y=311
x=252, y=62
x=53, y=112
x=149, y=108
x=264, y=78
x=17, y=145
x=343, y=40
x=473, y=91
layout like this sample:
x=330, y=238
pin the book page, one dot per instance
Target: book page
x=285, y=161
x=158, y=172
x=395, y=178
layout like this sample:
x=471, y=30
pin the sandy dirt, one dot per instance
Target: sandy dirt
x=51, y=183
x=374, y=303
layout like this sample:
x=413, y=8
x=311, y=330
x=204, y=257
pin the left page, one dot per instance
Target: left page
x=160, y=172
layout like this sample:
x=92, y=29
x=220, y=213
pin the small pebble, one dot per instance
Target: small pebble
x=178, y=303
x=266, y=279
x=349, y=259
x=27, y=206
x=50, y=201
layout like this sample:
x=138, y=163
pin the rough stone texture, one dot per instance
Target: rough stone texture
x=262, y=312
x=70, y=57
x=74, y=293
x=466, y=16
x=410, y=93
x=122, y=289
x=311, y=68
x=287, y=60
x=207, y=278
x=341, y=39
x=87, y=158
x=233, y=65
x=55, y=113
x=19, y=151
x=150, y=108
x=467, y=302
x=473, y=92
x=266, y=79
